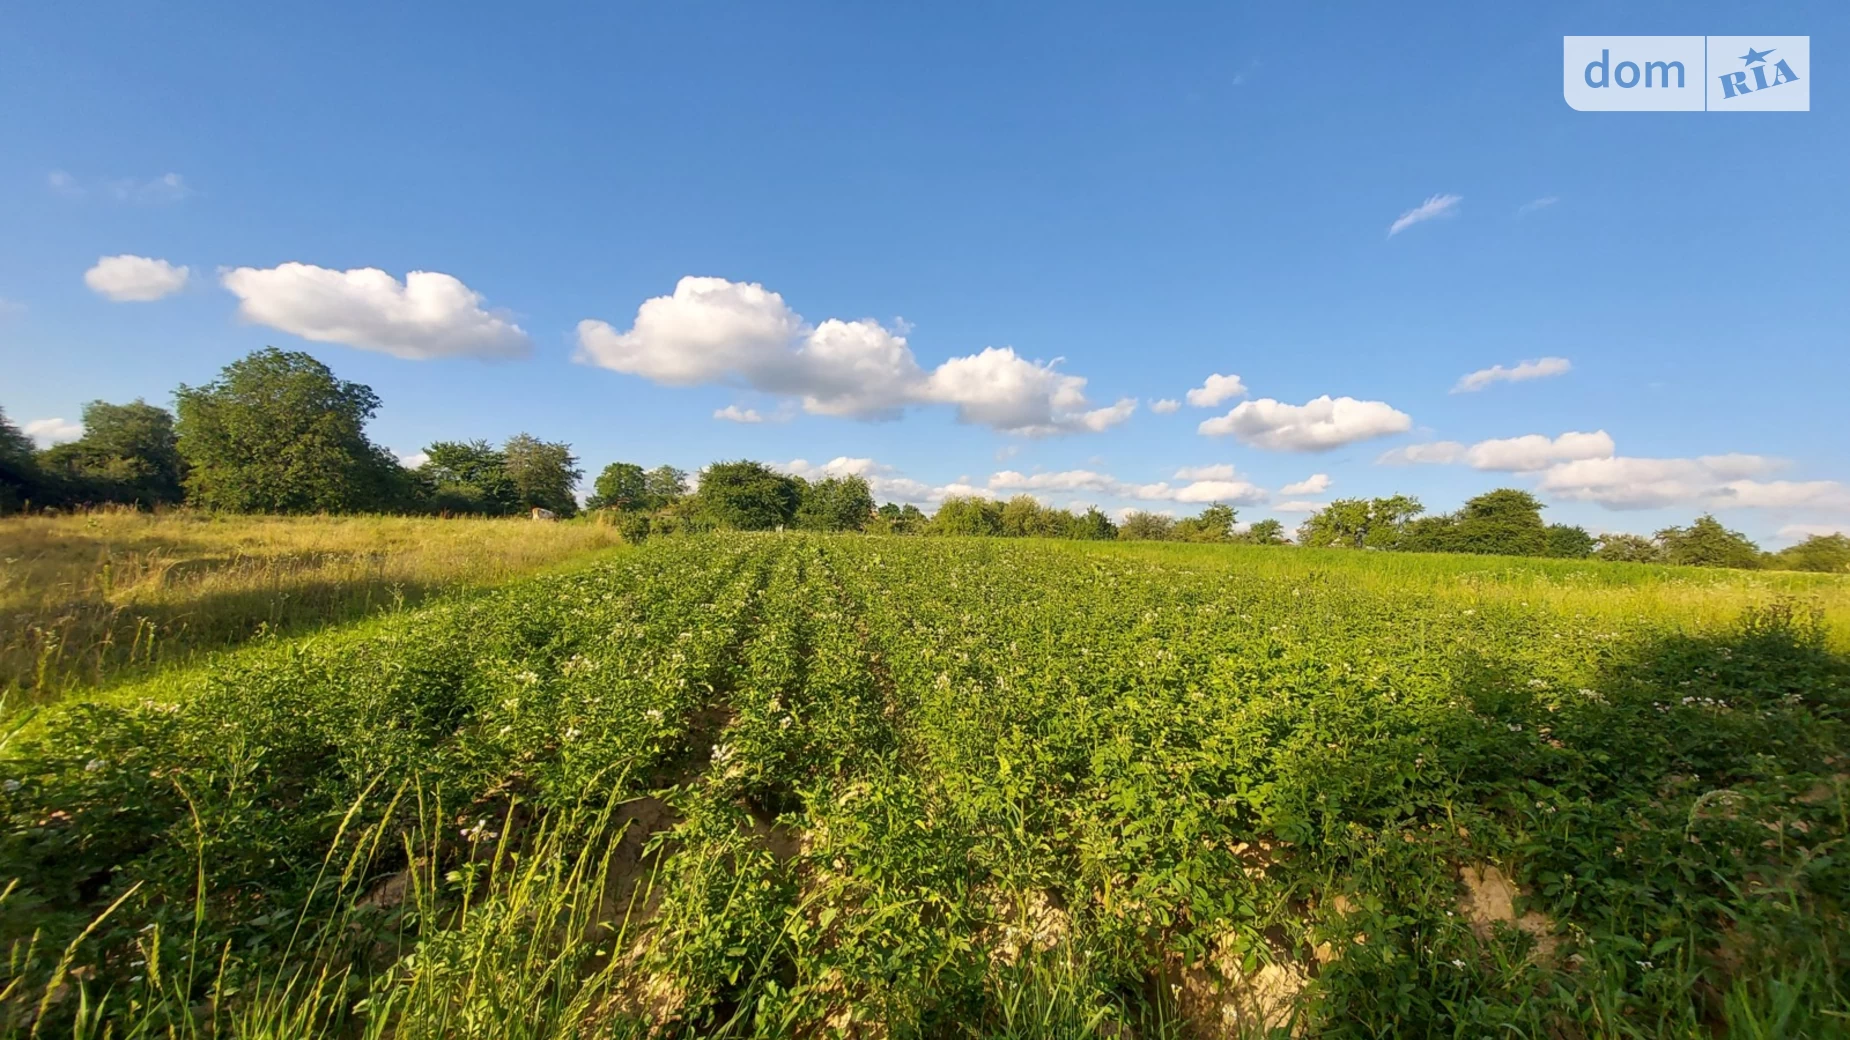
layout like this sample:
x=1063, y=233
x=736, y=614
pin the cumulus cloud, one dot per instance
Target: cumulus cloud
x=1534, y=451
x=1299, y=506
x=1800, y=532
x=1622, y=482
x=138, y=278
x=1205, y=484
x=1432, y=452
x=1320, y=424
x=1540, y=368
x=883, y=481
x=1166, y=406
x=733, y=413
x=412, y=460
x=715, y=331
x=428, y=315
x=1783, y=494
x=1433, y=208
x=1315, y=484
x=47, y=432
x=1215, y=389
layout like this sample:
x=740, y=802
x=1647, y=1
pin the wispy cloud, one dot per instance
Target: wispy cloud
x=1534, y=204
x=1431, y=209
x=168, y=187
x=1540, y=368
x=733, y=413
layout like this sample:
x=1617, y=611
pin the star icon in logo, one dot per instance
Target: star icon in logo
x=1753, y=57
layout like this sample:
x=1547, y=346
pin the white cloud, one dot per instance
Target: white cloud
x=48, y=432
x=1622, y=482
x=1531, y=206
x=168, y=187
x=1299, y=506
x=1205, y=484
x=1541, y=368
x=884, y=481
x=412, y=460
x=1800, y=532
x=428, y=315
x=1315, y=484
x=712, y=330
x=1320, y=424
x=1783, y=494
x=1434, y=207
x=140, y=278
x=1215, y=389
x=1534, y=451
x=1438, y=452
x=1165, y=406
x=1219, y=471
x=733, y=413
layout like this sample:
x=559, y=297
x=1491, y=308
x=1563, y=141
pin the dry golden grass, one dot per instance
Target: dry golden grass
x=89, y=597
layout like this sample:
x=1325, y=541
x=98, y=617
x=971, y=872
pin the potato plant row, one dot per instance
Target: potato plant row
x=802, y=785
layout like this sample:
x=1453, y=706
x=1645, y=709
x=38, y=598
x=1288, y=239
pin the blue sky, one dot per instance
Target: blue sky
x=1136, y=196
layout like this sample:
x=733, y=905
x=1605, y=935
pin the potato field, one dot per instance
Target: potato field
x=789, y=785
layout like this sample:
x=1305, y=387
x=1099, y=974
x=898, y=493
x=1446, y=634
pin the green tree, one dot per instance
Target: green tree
x=1628, y=548
x=20, y=478
x=1706, y=543
x=1143, y=526
x=747, y=496
x=277, y=433
x=622, y=486
x=1093, y=525
x=1024, y=517
x=1213, y=524
x=665, y=484
x=128, y=453
x=836, y=504
x=967, y=516
x=545, y=474
x=1266, y=532
x=892, y=518
x=1569, y=542
x=1504, y=522
x=1829, y=553
x=1358, y=523
x=467, y=477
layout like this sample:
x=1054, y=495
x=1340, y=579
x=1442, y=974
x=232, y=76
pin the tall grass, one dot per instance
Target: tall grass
x=91, y=597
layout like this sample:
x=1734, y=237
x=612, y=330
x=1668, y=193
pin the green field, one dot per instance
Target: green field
x=759, y=785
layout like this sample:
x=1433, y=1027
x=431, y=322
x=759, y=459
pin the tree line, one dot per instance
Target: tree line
x=277, y=432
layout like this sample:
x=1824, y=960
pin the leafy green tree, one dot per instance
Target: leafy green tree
x=1143, y=526
x=1828, y=553
x=1024, y=517
x=1504, y=522
x=892, y=518
x=1429, y=534
x=1093, y=525
x=128, y=453
x=747, y=496
x=622, y=486
x=1266, y=532
x=1706, y=543
x=1358, y=523
x=20, y=478
x=545, y=474
x=836, y=504
x=665, y=484
x=277, y=433
x=1213, y=524
x=967, y=516
x=467, y=477
x=1569, y=542
x=1628, y=548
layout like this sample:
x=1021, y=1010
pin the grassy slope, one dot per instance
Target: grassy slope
x=96, y=597
x=975, y=787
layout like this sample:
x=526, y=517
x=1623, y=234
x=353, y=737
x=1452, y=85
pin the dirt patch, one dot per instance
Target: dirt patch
x=1031, y=922
x=1219, y=1000
x=1490, y=898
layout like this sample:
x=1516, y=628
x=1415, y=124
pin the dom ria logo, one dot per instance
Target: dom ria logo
x=1687, y=73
